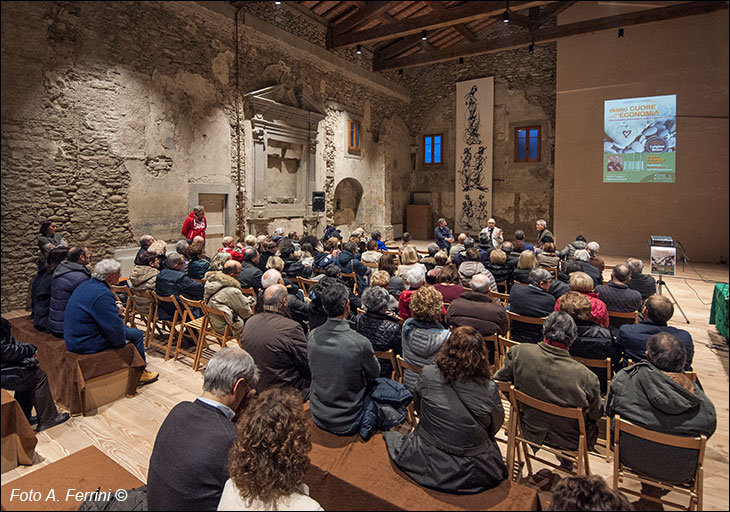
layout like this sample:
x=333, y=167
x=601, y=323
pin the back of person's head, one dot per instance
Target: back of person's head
x=406, y=236
x=387, y=263
x=372, y=245
x=409, y=255
x=659, y=308
x=576, y=305
x=174, y=259
x=307, y=248
x=334, y=299
x=472, y=254
x=580, y=238
x=560, y=327
x=250, y=254
x=375, y=298
x=274, y=295
x=269, y=456
x=147, y=258
x=268, y=245
x=197, y=248
x=309, y=239
x=350, y=247
x=571, y=267
x=292, y=235
x=449, y=274
x=105, y=268
x=333, y=271
x=328, y=245
x=287, y=249
x=279, y=232
x=580, y=282
x=480, y=283
x=415, y=277
x=635, y=266
x=461, y=238
x=75, y=253
x=468, y=242
x=665, y=352
x=146, y=240
x=548, y=238
x=426, y=304
x=226, y=367
x=527, y=259
x=380, y=278
x=249, y=240
x=275, y=262
x=182, y=247
x=231, y=268
x=593, y=246
x=158, y=247
x=587, y=493
x=497, y=256
x=483, y=236
x=507, y=247
x=227, y=240
x=219, y=259
x=621, y=273
x=270, y=277
x=375, y=235
x=441, y=258
x=582, y=255
x=464, y=356
x=519, y=235
x=432, y=249
x=538, y=276
x=548, y=247
x=57, y=255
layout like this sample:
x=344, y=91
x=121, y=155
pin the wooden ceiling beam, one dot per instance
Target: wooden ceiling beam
x=460, y=27
x=371, y=11
x=549, y=34
x=405, y=27
x=551, y=11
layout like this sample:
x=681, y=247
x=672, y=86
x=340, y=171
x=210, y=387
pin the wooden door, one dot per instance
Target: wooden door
x=215, y=214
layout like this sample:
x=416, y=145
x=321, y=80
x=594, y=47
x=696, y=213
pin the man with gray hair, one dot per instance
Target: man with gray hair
x=443, y=235
x=193, y=478
x=493, y=234
x=296, y=308
x=375, y=235
x=429, y=262
x=195, y=224
x=542, y=232
x=616, y=293
x=642, y=283
x=144, y=242
x=277, y=344
x=533, y=300
x=93, y=320
x=476, y=309
x=173, y=281
x=546, y=371
x=593, y=249
x=581, y=257
x=458, y=246
x=250, y=276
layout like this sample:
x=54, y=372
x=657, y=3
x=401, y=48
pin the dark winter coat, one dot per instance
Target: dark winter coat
x=175, y=282
x=92, y=321
x=645, y=284
x=529, y=301
x=348, y=263
x=66, y=278
x=17, y=358
x=384, y=332
x=595, y=342
x=501, y=272
x=479, y=311
x=42, y=303
x=631, y=340
x=250, y=276
x=385, y=406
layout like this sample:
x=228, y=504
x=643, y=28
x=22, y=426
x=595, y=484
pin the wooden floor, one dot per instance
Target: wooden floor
x=126, y=429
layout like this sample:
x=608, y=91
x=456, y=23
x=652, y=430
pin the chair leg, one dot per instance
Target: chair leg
x=699, y=490
x=581, y=470
x=199, y=350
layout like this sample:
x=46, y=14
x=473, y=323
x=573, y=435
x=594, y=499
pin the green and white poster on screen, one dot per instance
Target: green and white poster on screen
x=640, y=140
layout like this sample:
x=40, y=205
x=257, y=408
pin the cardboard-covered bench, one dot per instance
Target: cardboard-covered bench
x=82, y=382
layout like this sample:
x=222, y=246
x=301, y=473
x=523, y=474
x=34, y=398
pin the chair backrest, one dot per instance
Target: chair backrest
x=351, y=275
x=502, y=297
x=370, y=264
x=503, y=345
x=617, y=318
x=172, y=300
x=632, y=315
x=518, y=398
x=318, y=270
x=249, y=291
x=600, y=364
x=520, y=283
x=306, y=285
x=553, y=270
x=211, y=311
x=188, y=305
x=405, y=365
x=390, y=356
x=514, y=317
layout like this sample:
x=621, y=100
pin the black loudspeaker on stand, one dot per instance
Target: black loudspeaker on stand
x=317, y=201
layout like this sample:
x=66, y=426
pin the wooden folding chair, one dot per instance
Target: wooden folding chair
x=620, y=472
x=306, y=285
x=503, y=387
x=121, y=294
x=389, y=355
x=351, y=275
x=517, y=440
x=514, y=317
x=209, y=332
x=191, y=327
x=602, y=365
x=501, y=297
x=617, y=318
x=503, y=284
x=250, y=292
x=553, y=270
x=136, y=307
x=160, y=325
x=404, y=365
x=491, y=342
x=503, y=345
x=370, y=265
x=318, y=270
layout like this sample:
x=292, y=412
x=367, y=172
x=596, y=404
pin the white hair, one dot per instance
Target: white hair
x=105, y=268
x=542, y=223
x=415, y=277
x=593, y=246
x=270, y=277
x=582, y=255
x=480, y=283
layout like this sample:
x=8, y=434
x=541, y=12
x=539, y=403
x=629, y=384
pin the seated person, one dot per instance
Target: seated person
x=616, y=294
x=409, y=260
x=372, y=255
x=593, y=341
x=581, y=258
x=512, y=257
x=593, y=249
x=501, y=272
x=458, y=246
x=381, y=278
x=519, y=243
x=531, y=300
x=277, y=344
x=645, y=284
x=582, y=283
x=159, y=249
x=657, y=311
x=375, y=235
x=192, y=476
x=381, y=328
x=172, y=280
x=460, y=411
x=348, y=263
x=543, y=234
x=292, y=266
x=199, y=262
x=416, y=279
x=442, y=260
x=42, y=303
x=297, y=309
x=182, y=247
x=461, y=257
x=547, y=257
x=396, y=283
x=250, y=276
x=144, y=242
x=268, y=249
x=448, y=283
x=337, y=398
x=144, y=278
x=93, y=321
x=547, y=372
x=525, y=264
x=485, y=247
x=657, y=395
x=267, y=463
x=473, y=265
x=70, y=273
x=325, y=258
x=569, y=250
x=587, y=493
x=428, y=261
x=223, y=292
x=277, y=263
x=21, y=373
x=423, y=334
x=476, y=309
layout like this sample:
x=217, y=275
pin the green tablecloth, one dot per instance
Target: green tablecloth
x=719, y=312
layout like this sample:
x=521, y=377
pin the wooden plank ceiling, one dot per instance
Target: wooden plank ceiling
x=393, y=31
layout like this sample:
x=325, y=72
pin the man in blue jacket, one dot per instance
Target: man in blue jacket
x=67, y=276
x=93, y=321
x=173, y=281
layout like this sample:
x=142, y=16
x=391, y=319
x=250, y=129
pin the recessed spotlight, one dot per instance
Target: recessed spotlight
x=358, y=50
x=531, y=48
x=423, y=35
x=505, y=16
x=620, y=33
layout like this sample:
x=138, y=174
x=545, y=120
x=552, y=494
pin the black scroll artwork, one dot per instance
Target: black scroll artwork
x=471, y=132
x=474, y=212
x=472, y=169
x=474, y=215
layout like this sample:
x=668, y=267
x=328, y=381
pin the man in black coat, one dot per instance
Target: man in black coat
x=581, y=258
x=616, y=293
x=532, y=300
x=189, y=462
x=21, y=373
x=173, y=281
x=476, y=309
x=292, y=266
x=645, y=284
x=250, y=276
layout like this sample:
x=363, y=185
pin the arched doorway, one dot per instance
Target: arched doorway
x=348, y=194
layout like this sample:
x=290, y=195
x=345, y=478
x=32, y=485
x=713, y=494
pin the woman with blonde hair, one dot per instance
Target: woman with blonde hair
x=583, y=283
x=525, y=264
x=548, y=258
x=408, y=260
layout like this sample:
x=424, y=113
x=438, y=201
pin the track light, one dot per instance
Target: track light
x=461, y=60
x=358, y=50
x=531, y=48
x=423, y=35
x=505, y=16
x=400, y=72
x=620, y=33
x=277, y=2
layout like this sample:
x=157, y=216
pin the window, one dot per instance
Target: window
x=432, y=149
x=353, y=136
x=527, y=144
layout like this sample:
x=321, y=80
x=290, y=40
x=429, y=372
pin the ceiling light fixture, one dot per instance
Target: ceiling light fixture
x=400, y=72
x=277, y=2
x=358, y=50
x=620, y=33
x=531, y=48
x=461, y=60
x=423, y=35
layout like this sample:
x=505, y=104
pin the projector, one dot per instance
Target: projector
x=661, y=241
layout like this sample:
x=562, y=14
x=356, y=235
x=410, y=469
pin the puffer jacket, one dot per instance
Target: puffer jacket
x=469, y=268
x=375, y=416
x=501, y=273
x=595, y=342
x=224, y=292
x=421, y=342
x=144, y=278
x=349, y=263
x=569, y=250
x=198, y=267
x=384, y=333
x=174, y=282
x=294, y=268
x=66, y=278
x=17, y=358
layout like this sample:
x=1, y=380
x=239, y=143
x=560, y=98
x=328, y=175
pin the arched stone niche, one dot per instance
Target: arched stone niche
x=348, y=194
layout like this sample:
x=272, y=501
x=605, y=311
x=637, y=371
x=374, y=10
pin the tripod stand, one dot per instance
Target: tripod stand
x=661, y=283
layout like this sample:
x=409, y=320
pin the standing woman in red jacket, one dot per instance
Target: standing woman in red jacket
x=195, y=224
